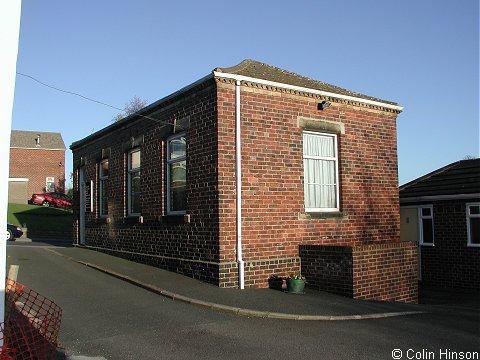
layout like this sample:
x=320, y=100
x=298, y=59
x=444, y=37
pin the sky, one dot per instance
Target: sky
x=423, y=55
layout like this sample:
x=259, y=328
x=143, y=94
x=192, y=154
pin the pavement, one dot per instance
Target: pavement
x=264, y=303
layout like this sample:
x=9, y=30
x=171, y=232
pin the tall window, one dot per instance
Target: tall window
x=176, y=174
x=425, y=215
x=320, y=162
x=103, y=179
x=50, y=184
x=473, y=224
x=134, y=189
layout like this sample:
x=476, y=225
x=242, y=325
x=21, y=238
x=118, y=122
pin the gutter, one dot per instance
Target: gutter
x=149, y=108
x=306, y=90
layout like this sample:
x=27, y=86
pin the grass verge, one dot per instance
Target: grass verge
x=38, y=218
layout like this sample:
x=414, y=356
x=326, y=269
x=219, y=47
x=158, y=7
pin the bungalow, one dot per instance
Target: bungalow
x=249, y=172
x=441, y=212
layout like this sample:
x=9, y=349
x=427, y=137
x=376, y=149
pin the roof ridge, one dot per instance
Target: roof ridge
x=433, y=173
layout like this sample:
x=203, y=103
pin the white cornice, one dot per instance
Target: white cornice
x=306, y=90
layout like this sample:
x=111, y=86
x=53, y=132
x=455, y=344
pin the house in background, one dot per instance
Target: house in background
x=441, y=212
x=37, y=164
x=249, y=172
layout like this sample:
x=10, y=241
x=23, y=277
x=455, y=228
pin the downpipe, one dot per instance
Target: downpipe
x=238, y=183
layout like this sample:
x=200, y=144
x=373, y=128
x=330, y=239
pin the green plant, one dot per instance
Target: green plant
x=296, y=276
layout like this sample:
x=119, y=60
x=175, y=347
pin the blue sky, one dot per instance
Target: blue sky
x=421, y=54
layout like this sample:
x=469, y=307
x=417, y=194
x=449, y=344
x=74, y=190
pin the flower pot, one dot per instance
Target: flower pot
x=295, y=286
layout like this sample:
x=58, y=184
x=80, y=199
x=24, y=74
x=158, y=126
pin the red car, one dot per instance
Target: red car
x=52, y=199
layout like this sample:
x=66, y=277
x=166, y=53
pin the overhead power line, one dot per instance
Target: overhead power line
x=89, y=99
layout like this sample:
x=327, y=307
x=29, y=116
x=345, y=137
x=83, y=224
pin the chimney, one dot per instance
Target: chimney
x=37, y=140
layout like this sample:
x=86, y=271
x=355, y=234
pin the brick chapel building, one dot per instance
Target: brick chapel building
x=37, y=164
x=249, y=172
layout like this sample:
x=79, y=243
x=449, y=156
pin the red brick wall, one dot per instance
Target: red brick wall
x=37, y=165
x=386, y=272
x=274, y=222
x=190, y=248
x=382, y=272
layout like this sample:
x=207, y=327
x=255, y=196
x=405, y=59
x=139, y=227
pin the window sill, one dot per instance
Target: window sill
x=473, y=245
x=104, y=220
x=322, y=215
x=427, y=245
x=175, y=219
x=133, y=220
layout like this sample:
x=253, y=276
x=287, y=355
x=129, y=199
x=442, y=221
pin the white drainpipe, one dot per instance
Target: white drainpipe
x=238, y=166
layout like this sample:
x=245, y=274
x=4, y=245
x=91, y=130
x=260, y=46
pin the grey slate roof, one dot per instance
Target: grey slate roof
x=249, y=68
x=263, y=71
x=461, y=177
x=26, y=140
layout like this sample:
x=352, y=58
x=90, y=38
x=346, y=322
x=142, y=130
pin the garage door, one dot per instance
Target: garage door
x=18, y=191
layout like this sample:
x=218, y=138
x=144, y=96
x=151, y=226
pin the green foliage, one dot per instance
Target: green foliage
x=296, y=276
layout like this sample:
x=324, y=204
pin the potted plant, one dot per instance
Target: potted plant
x=275, y=282
x=295, y=283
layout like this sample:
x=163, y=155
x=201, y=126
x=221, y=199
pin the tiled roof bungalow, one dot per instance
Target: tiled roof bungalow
x=249, y=172
x=440, y=211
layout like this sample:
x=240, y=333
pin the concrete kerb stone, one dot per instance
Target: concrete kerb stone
x=232, y=309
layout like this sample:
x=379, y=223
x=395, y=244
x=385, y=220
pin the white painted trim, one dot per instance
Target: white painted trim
x=19, y=179
x=307, y=90
x=168, y=162
x=130, y=171
x=420, y=225
x=440, y=197
x=337, y=177
x=101, y=178
x=468, y=217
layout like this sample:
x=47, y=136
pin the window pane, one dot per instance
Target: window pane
x=103, y=198
x=104, y=169
x=135, y=160
x=474, y=209
x=178, y=147
x=135, y=192
x=426, y=212
x=318, y=145
x=320, y=184
x=177, y=186
x=427, y=231
x=475, y=231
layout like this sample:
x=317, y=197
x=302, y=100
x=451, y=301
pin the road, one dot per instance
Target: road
x=107, y=318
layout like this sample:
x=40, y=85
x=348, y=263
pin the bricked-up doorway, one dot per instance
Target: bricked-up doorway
x=81, y=227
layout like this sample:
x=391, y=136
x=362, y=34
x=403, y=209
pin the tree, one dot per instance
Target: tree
x=131, y=107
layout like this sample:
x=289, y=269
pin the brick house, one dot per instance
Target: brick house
x=249, y=172
x=37, y=164
x=440, y=212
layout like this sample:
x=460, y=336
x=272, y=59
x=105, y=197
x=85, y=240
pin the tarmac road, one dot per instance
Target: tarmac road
x=107, y=317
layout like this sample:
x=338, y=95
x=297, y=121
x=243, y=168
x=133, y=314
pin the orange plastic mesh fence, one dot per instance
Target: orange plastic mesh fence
x=32, y=324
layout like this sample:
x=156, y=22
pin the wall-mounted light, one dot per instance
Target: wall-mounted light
x=324, y=104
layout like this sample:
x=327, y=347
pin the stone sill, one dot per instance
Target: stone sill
x=322, y=215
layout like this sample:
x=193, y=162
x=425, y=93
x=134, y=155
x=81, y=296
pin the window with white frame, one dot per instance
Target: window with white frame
x=425, y=216
x=320, y=162
x=473, y=224
x=50, y=184
x=176, y=174
x=103, y=188
x=134, y=186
